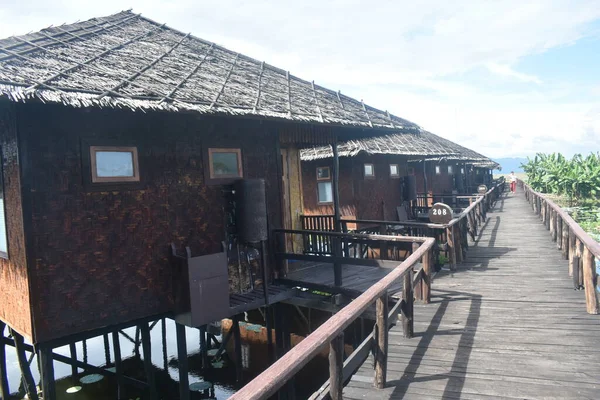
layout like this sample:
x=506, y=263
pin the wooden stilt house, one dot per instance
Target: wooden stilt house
x=376, y=173
x=122, y=142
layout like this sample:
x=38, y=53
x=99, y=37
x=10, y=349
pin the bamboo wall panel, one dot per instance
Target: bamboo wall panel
x=14, y=281
x=106, y=253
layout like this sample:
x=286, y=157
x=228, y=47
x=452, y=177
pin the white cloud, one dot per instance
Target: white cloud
x=413, y=58
x=505, y=70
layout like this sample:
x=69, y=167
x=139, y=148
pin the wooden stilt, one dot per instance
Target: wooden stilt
x=4, y=387
x=269, y=326
x=203, y=347
x=106, y=349
x=136, y=345
x=163, y=335
x=182, y=357
x=149, y=369
x=238, y=348
x=118, y=366
x=73, y=352
x=47, y=365
x=29, y=383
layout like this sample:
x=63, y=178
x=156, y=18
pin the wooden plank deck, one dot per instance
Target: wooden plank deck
x=507, y=324
x=354, y=277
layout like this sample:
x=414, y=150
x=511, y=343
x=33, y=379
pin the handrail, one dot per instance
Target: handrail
x=273, y=378
x=577, y=246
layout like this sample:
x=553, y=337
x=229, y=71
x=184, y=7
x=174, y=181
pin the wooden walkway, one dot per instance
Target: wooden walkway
x=507, y=324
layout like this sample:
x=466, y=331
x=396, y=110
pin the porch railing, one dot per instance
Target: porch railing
x=332, y=331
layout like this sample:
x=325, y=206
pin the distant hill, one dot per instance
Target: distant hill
x=511, y=164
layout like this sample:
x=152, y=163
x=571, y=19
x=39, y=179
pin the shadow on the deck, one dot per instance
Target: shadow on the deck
x=456, y=377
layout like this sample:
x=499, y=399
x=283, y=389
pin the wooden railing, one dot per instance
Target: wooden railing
x=416, y=284
x=332, y=331
x=576, y=245
x=317, y=243
x=451, y=238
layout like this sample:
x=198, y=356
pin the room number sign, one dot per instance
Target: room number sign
x=440, y=213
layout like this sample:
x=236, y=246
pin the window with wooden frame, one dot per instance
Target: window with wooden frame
x=114, y=164
x=394, y=171
x=369, y=170
x=3, y=230
x=438, y=170
x=225, y=163
x=323, y=173
x=324, y=185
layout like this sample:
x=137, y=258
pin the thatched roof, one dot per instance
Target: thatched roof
x=424, y=145
x=460, y=153
x=128, y=61
x=409, y=144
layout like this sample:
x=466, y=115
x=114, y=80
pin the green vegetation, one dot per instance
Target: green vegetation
x=574, y=184
x=578, y=178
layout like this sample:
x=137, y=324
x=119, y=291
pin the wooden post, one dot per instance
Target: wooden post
x=182, y=359
x=565, y=242
x=4, y=387
x=543, y=215
x=576, y=272
x=47, y=371
x=28, y=381
x=336, y=367
x=457, y=235
x=580, y=255
x=337, y=266
x=451, y=250
x=428, y=262
x=548, y=216
x=118, y=365
x=407, y=309
x=148, y=368
x=553, y=224
x=589, y=281
x=559, y=233
x=572, y=250
x=418, y=286
x=381, y=341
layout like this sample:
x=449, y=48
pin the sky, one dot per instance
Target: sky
x=505, y=78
